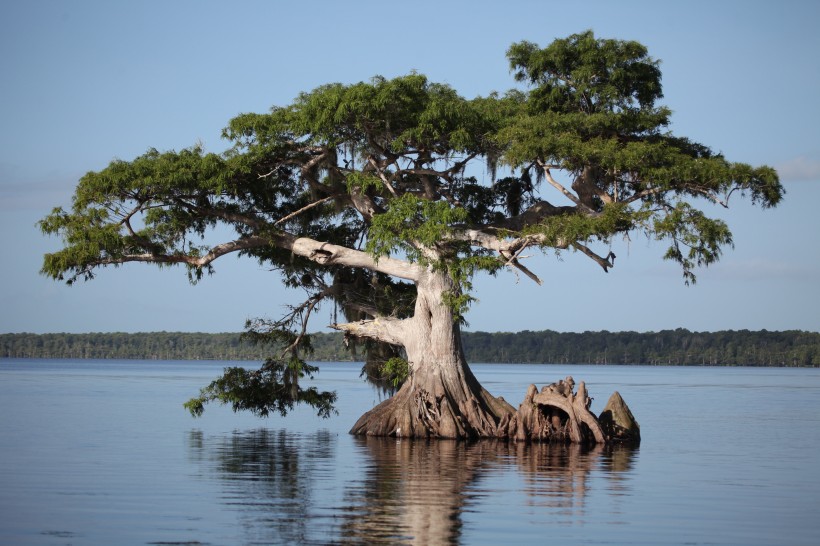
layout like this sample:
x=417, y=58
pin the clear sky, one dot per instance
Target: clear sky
x=84, y=82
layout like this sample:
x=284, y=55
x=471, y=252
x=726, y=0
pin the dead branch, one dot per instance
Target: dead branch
x=568, y=194
x=305, y=208
x=606, y=263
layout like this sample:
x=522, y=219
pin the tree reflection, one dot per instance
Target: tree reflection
x=292, y=488
x=268, y=479
x=416, y=491
x=412, y=490
x=558, y=478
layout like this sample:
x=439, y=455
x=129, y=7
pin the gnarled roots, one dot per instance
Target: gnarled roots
x=555, y=414
x=418, y=413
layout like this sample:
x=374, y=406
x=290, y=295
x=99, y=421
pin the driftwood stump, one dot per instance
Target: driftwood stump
x=559, y=414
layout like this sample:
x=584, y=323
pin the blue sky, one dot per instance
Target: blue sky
x=84, y=82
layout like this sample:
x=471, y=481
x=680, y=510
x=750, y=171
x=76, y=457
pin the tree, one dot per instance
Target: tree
x=366, y=195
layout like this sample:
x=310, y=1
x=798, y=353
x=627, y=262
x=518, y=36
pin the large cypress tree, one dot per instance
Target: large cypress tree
x=366, y=195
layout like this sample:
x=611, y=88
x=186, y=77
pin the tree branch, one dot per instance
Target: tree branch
x=606, y=263
x=706, y=193
x=303, y=209
x=387, y=329
x=382, y=176
x=568, y=194
x=304, y=311
x=330, y=254
x=243, y=243
x=513, y=262
x=250, y=221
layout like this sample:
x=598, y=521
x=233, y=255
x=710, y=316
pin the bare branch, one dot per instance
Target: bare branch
x=304, y=149
x=480, y=237
x=513, y=262
x=243, y=243
x=518, y=265
x=303, y=209
x=713, y=197
x=327, y=254
x=387, y=329
x=447, y=173
x=320, y=252
x=382, y=176
x=127, y=223
x=248, y=220
x=321, y=154
x=304, y=312
x=606, y=263
x=555, y=184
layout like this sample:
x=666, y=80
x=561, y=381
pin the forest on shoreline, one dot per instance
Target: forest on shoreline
x=668, y=347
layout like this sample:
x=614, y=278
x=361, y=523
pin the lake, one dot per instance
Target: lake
x=102, y=452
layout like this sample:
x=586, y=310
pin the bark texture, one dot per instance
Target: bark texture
x=451, y=405
x=442, y=398
x=463, y=409
x=556, y=414
x=618, y=422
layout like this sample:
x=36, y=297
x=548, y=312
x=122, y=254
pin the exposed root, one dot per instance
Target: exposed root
x=417, y=413
x=555, y=414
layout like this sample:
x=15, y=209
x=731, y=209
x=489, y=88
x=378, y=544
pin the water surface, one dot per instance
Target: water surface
x=102, y=452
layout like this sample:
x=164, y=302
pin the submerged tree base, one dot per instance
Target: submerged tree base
x=556, y=413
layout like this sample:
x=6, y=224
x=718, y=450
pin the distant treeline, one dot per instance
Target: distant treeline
x=668, y=347
x=156, y=346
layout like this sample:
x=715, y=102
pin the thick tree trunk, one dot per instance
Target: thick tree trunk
x=442, y=398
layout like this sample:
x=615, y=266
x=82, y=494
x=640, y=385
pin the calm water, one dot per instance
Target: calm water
x=102, y=452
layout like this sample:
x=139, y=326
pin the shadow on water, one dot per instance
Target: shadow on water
x=319, y=488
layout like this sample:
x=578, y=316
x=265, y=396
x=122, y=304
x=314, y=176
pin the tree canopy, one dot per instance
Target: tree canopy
x=372, y=195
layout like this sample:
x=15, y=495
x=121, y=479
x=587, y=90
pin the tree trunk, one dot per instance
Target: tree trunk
x=441, y=397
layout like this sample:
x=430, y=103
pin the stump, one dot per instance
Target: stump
x=618, y=422
x=559, y=414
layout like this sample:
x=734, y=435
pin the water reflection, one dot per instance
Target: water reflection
x=292, y=488
x=559, y=479
x=418, y=491
x=412, y=490
x=269, y=479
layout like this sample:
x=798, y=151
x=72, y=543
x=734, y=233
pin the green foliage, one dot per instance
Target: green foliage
x=391, y=167
x=376, y=355
x=582, y=73
x=412, y=223
x=557, y=231
x=404, y=112
x=396, y=370
x=689, y=229
x=272, y=388
x=363, y=182
x=590, y=111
